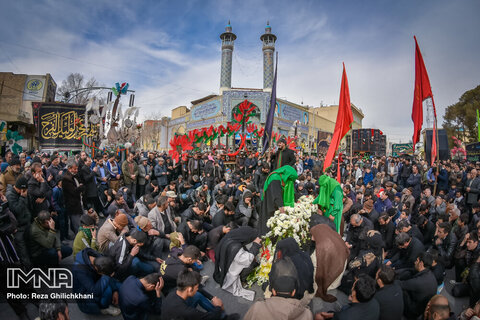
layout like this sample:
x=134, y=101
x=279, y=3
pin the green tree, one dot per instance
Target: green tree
x=460, y=119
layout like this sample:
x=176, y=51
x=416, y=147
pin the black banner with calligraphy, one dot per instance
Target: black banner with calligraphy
x=60, y=125
x=473, y=152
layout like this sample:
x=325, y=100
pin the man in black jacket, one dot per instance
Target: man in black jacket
x=387, y=230
x=181, y=303
x=363, y=306
x=409, y=249
x=72, y=193
x=472, y=187
x=124, y=252
x=446, y=243
x=389, y=295
x=18, y=204
x=92, y=275
x=140, y=297
x=418, y=290
x=284, y=156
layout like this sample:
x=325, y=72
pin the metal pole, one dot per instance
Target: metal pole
x=437, y=160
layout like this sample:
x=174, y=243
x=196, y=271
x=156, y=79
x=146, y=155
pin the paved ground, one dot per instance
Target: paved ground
x=232, y=304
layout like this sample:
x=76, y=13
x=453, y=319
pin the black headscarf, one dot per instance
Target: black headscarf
x=228, y=248
x=288, y=248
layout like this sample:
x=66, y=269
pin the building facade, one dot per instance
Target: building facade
x=310, y=123
x=17, y=92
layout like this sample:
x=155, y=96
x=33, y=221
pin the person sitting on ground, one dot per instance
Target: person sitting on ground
x=389, y=294
x=233, y=262
x=245, y=213
x=153, y=249
x=86, y=236
x=111, y=230
x=408, y=250
x=144, y=205
x=438, y=309
x=181, y=303
x=362, y=307
x=357, y=234
x=288, y=248
x=92, y=273
x=162, y=221
x=418, y=290
x=282, y=304
x=120, y=204
x=194, y=234
x=53, y=310
x=45, y=247
x=139, y=297
x=224, y=216
x=214, y=237
x=124, y=252
x=446, y=243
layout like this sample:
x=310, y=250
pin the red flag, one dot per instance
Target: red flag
x=343, y=123
x=422, y=91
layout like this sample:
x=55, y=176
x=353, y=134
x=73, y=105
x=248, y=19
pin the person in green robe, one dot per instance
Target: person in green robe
x=278, y=192
x=330, y=199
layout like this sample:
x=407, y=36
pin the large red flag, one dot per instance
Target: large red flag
x=422, y=91
x=343, y=123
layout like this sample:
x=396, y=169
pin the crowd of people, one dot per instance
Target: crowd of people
x=141, y=229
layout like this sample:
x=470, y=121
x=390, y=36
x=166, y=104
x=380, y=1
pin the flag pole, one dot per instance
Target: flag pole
x=437, y=157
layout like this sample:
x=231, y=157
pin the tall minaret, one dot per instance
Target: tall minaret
x=268, y=39
x=228, y=38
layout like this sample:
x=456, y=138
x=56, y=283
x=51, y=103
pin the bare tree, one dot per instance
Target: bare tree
x=151, y=130
x=70, y=89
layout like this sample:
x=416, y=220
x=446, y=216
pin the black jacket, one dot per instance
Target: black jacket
x=417, y=291
x=446, y=250
x=287, y=158
x=405, y=258
x=88, y=177
x=388, y=234
x=390, y=299
x=72, y=194
x=19, y=207
x=135, y=302
x=120, y=253
x=369, y=310
x=175, y=307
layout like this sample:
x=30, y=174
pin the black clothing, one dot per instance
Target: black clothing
x=390, y=299
x=228, y=248
x=388, y=234
x=174, y=307
x=272, y=201
x=214, y=237
x=405, y=258
x=286, y=157
x=221, y=219
x=136, y=302
x=303, y=264
x=170, y=269
x=369, y=310
x=417, y=291
x=191, y=238
x=428, y=232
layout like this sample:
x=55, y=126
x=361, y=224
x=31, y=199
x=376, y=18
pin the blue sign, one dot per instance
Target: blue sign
x=290, y=113
x=206, y=110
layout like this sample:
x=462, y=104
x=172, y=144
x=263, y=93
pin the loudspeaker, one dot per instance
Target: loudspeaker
x=443, y=150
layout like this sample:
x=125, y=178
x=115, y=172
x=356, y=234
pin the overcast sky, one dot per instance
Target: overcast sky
x=169, y=51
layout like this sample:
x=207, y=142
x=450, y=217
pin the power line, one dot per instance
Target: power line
x=156, y=77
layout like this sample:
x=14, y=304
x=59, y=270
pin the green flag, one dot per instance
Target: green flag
x=478, y=125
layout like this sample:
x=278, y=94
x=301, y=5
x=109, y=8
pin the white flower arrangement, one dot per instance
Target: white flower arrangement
x=295, y=223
